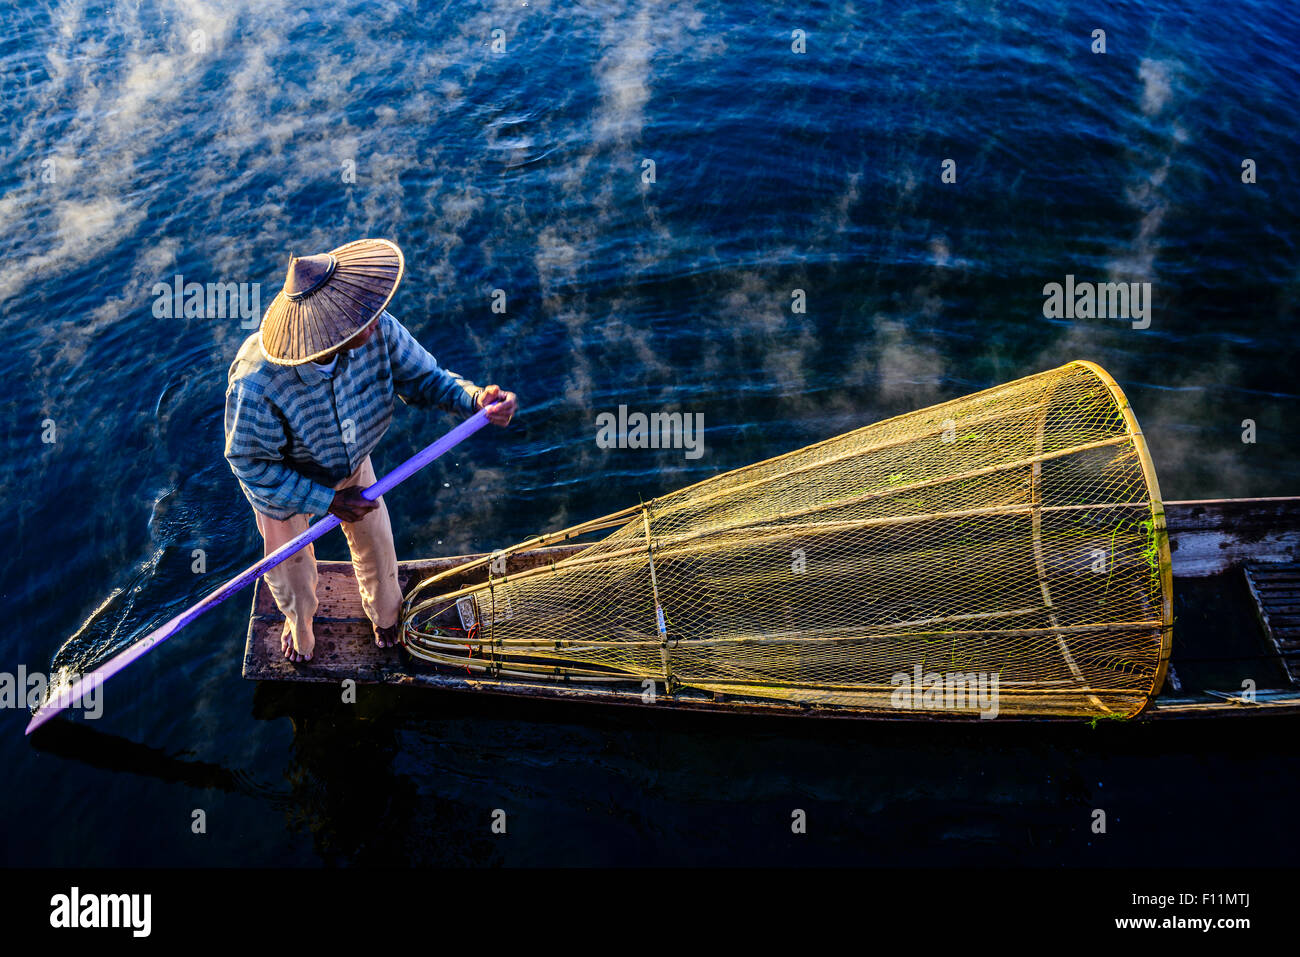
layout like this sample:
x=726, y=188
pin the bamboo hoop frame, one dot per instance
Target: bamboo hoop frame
x=1159, y=528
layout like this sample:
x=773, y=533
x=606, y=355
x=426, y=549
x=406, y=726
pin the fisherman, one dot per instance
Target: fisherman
x=308, y=398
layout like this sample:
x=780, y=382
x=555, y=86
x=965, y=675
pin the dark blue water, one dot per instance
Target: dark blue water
x=147, y=139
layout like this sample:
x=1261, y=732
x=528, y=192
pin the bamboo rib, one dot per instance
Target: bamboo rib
x=670, y=541
x=817, y=464
x=768, y=638
x=1035, y=495
x=985, y=396
x=565, y=673
x=654, y=588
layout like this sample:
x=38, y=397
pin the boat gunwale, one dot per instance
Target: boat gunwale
x=1183, y=517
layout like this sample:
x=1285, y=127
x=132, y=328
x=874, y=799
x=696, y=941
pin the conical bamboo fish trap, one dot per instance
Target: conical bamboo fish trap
x=1014, y=538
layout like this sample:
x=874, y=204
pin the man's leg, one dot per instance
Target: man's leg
x=374, y=558
x=293, y=583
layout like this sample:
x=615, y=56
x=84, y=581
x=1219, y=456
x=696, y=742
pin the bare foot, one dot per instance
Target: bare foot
x=291, y=648
x=387, y=637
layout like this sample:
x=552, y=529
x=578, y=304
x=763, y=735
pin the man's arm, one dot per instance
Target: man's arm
x=254, y=439
x=418, y=379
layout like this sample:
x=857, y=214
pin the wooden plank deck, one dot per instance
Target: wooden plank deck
x=345, y=642
x=1276, y=590
x=1206, y=538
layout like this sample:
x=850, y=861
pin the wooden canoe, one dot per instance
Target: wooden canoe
x=1236, y=566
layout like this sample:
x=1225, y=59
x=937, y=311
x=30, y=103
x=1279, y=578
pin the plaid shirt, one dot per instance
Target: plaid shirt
x=293, y=432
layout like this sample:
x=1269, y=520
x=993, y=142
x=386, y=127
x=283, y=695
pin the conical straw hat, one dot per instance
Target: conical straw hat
x=329, y=298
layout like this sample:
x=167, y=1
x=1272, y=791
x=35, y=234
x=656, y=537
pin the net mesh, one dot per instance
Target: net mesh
x=1001, y=552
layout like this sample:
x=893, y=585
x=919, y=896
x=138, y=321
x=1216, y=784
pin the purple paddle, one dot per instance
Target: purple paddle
x=64, y=699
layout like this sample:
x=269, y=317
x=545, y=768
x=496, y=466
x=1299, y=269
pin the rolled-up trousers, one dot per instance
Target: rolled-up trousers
x=374, y=560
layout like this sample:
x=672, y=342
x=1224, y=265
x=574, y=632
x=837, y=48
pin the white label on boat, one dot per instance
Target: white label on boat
x=659, y=612
x=466, y=608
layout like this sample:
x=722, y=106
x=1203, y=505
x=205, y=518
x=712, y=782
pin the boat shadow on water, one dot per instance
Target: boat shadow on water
x=420, y=766
x=407, y=777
